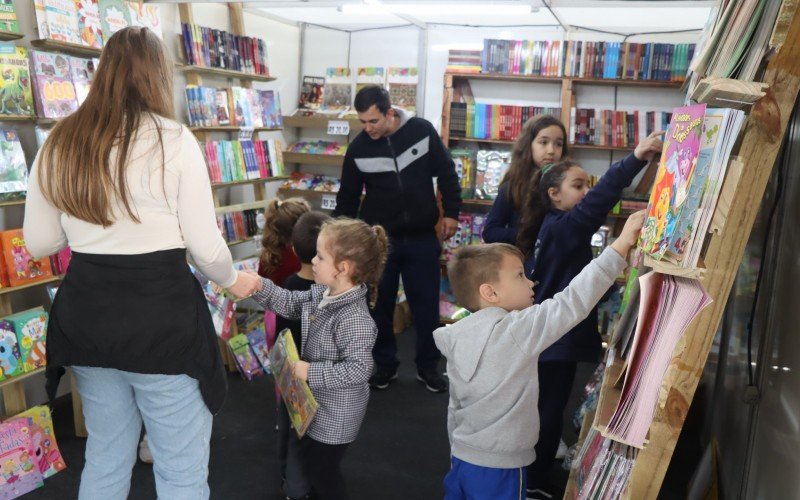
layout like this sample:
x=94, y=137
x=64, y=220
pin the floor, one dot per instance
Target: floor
x=401, y=453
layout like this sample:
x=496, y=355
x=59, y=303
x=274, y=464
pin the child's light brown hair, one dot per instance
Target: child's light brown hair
x=281, y=216
x=474, y=265
x=364, y=245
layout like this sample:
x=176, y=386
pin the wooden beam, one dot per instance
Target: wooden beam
x=761, y=142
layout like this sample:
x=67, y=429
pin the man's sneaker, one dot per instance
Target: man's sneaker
x=382, y=378
x=537, y=494
x=561, y=452
x=432, y=380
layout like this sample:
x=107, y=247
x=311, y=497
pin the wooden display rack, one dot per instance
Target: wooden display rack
x=760, y=143
x=194, y=77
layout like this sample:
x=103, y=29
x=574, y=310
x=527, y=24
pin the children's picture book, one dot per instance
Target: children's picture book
x=311, y=92
x=8, y=16
x=89, y=25
x=31, y=329
x=673, y=179
x=338, y=93
x=62, y=20
x=220, y=306
x=114, y=15
x=41, y=19
x=82, y=76
x=52, y=84
x=13, y=169
x=21, y=267
x=11, y=363
x=490, y=168
x=43, y=438
x=271, y=108
x=223, y=112
x=402, y=83
x=368, y=76
x=257, y=337
x=300, y=402
x=18, y=472
x=146, y=15
x=16, y=98
x=246, y=360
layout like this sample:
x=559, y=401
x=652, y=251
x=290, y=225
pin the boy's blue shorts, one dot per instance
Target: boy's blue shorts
x=466, y=481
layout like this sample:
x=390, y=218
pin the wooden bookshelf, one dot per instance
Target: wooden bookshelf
x=17, y=118
x=7, y=36
x=224, y=128
x=239, y=242
x=225, y=73
x=67, y=47
x=247, y=182
x=20, y=378
x=13, y=203
x=594, y=147
x=476, y=202
x=313, y=159
x=304, y=193
x=559, y=79
x=320, y=121
x=12, y=289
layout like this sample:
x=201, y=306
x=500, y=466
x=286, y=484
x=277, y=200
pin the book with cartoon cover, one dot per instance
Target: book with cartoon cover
x=18, y=472
x=43, y=437
x=16, y=98
x=297, y=396
x=52, y=84
x=13, y=169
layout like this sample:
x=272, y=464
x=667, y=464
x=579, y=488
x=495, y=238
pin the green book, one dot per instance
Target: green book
x=8, y=16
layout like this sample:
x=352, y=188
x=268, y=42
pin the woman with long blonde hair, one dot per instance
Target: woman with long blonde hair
x=125, y=186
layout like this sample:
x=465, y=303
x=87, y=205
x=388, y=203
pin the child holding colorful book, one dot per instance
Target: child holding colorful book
x=337, y=337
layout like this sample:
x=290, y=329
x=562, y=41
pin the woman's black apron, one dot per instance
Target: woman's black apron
x=141, y=313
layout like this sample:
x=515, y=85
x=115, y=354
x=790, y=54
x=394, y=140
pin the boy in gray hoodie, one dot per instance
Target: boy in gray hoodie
x=492, y=359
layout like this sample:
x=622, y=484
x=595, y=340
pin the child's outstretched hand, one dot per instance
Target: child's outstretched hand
x=649, y=146
x=630, y=233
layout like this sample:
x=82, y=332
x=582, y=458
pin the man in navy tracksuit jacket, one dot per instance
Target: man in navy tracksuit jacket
x=394, y=161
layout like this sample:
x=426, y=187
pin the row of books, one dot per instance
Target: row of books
x=250, y=348
x=241, y=160
x=17, y=266
x=13, y=169
x=213, y=48
x=30, y=452
x=493, y=121
x=688, y=183
x=605, y=127
x=60, y=83
x=319, y=147
x=23, y=342
x=463, y=61
x=238, y=226
x=211, y=107
x=468, y=232
x=92, y=22
x=312, y=182
x=602, y=467
x=608, y=60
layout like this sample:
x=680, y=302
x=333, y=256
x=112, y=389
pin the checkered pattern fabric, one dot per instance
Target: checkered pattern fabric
x=337, y=342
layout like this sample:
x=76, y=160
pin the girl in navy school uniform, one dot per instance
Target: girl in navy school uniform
x=543, y=140
x=558, y=220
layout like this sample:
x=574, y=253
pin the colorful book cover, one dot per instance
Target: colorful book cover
x=223, y=113
x=89, y=25
x=18, y=472
x=41, y=19
x=368, y=76
x=13, y=169
x=338, y=93
x=245, y=358
x=300, y=402
x=52, y=87
x=8, y=16
x=402, y=83
x=62, y=20
x=257, y=337
x=16, y=97
x=11, y=363
x=675, y=171
x=114, y=16
x=82, y=75
x=311, y=92
x=146, y=15
x=21, y=267
x=43, y=437
x=271, y=108
x=31, y=329
x=219, y=305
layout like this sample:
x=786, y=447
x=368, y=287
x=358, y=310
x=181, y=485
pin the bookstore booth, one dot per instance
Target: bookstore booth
x=675, y=122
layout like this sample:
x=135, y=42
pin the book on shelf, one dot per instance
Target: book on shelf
x=89, y=26
x=311, y=93
x=13, y=169
x=257, y=337
x=246, y=360
x=490, y=167
x=463, y=61
x=688, y=182
x=31, y=330
x=42, y=433
x=219, y=304
x=319, y=147
x=464, y=162
x=20, y=473
x=146, y=15
x=8, y=16
x=296, y=395
x=11, y=363
x=235, y=106
x=240, y=160
x=53, y=89
x=338, y=93
x=61, y=21
x=20, y=266
x=402, y=84
x=238, y=226
x=605, y=127
x=16, y=97
x=213, y=48
x=493, y=121
x=668, y=304
x=602, y=466
x=114, y=15
x=301, y=181
x=370, y=76
x=82, y=71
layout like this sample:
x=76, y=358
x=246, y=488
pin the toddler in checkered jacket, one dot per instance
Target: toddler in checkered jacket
x=338, y=334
